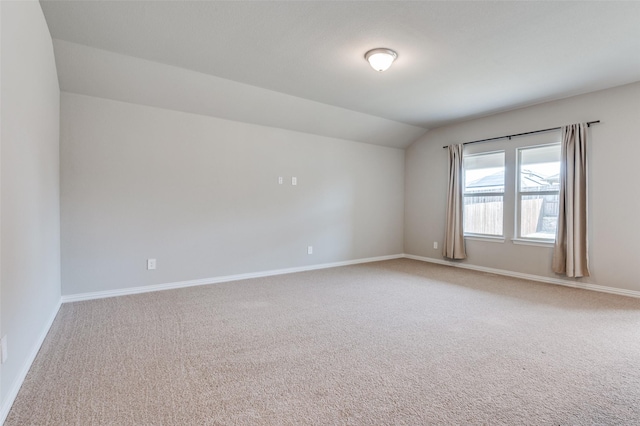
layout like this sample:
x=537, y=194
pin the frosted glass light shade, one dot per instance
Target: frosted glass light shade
x=380, y=59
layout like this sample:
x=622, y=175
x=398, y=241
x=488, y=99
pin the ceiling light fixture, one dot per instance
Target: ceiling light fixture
x=381, y=58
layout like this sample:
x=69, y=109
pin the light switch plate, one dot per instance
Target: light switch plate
x=5, y=351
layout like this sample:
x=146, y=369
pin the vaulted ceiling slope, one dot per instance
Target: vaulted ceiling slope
x=97, y=72
x=301, y=64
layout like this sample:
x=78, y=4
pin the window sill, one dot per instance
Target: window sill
x=484, y=238
x=539, y=243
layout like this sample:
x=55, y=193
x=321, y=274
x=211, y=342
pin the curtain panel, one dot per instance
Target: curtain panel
x=570, y=253
x=453, y=247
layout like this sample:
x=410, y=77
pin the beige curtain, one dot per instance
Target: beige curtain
x=453, y=246
x=570, y=256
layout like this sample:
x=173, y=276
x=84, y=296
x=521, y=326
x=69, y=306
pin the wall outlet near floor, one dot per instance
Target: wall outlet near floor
x=435, y=244
x=280, y=180
x=309, y=249
x=5, y=351
x=151, y=264
x=294, y=180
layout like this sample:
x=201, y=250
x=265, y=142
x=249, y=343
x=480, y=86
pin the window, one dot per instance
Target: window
x=537, y=192
x=484, y=194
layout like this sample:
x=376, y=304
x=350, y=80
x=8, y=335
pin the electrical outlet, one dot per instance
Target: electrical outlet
x=435, y=244
x=294, y=180
x=309, y=249
x=280, y=180
x=5, y=351
x=151, y=264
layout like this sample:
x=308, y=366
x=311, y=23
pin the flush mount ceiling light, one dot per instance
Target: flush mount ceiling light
x=381, y=58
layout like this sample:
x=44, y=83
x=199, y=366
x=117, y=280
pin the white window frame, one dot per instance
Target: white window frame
x=519, y=194
x=474, y=235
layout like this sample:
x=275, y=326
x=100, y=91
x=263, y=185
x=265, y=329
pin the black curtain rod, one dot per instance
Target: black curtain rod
x=521, y=134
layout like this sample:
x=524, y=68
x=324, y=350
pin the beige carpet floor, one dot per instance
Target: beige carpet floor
x=398, y=342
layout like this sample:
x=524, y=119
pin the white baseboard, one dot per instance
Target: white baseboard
x=237, y=277
x=217, y=280
x=17, y=384
x=548, y=280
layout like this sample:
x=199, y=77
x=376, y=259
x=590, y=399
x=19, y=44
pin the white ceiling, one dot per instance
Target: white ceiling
x=96, y=72
x=457, y=60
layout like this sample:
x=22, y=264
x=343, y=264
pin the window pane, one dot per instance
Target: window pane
x=484, y=173
x=483, y=215
x=540, y=168
x=539, y=216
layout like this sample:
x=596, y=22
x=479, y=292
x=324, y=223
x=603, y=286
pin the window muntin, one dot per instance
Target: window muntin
x=484, y=194
x=537, y=192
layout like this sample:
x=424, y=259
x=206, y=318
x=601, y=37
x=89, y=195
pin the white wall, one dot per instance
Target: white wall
x=30, y=228
x=614, y=205
x=200, y=194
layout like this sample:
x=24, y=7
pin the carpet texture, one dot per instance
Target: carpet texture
x=399, y=342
